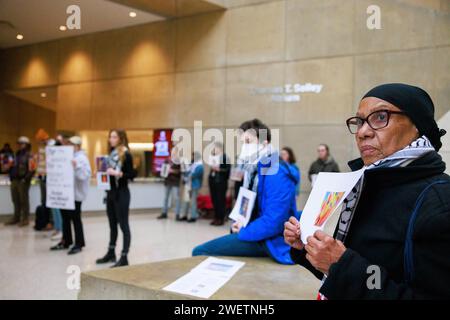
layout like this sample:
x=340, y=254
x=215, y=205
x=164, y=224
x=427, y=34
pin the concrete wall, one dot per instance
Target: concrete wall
x=203, y=67
x=21, y=118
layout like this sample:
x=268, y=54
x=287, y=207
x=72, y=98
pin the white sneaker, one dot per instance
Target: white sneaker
x=56, y=236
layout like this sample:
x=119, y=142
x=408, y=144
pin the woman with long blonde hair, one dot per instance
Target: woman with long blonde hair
x=120, y=171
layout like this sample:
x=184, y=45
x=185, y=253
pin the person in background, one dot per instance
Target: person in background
x=185, y=189
x=62, y=139
x=56, y=213
x=172, y=186
x=6, y=158
x=274, y=183
x=42, y=138
x=288, y=156
x=82, y=174
x=218, y=182
x=324, y=163
x=196, y=181
x=120, y=171
x=20, y=175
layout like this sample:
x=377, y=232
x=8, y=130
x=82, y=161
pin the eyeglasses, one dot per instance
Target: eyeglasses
x=376, y=120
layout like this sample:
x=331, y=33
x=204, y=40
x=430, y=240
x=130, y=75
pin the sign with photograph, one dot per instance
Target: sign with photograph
x=243, y=207
x=101, y=163
x=162, y=141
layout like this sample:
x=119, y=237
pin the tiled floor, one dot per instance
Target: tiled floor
x=28, y=270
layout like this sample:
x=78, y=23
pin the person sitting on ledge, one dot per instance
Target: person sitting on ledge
x=274, y=182
x=393, y=236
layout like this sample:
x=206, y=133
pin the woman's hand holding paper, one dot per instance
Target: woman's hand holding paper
x=323, y=250
x=292, y=233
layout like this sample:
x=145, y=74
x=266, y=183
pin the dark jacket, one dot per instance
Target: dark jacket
x=323, y=166
x=174, y=177
x=378, y=232
x=223, y=174
x=23, y=167
x=128, y=173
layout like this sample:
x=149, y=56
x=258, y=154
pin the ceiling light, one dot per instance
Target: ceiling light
x=62, y=28
x=132, y=14
x=43, y=95
x=19, y=37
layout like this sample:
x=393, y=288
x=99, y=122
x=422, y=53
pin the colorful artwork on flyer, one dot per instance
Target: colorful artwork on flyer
x=329, y=203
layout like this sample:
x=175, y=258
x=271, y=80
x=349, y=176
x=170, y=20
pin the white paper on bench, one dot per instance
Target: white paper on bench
x=206, y=278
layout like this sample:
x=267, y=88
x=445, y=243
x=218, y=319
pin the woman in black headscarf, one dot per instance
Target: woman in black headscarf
x=393, y=236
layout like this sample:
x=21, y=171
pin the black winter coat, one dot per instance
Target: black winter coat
x=378, y=232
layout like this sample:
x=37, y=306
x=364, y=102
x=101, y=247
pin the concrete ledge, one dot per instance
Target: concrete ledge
x=259, y=279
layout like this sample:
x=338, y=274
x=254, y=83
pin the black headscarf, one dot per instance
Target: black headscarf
x=416, y=104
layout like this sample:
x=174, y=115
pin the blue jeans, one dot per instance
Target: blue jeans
x=193, y=207
x=230, y=245
x=194, y=212
x=176, y=192
x=57, y=221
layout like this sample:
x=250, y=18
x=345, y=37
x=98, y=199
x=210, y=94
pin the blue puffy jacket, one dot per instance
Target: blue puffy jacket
x=276, y=204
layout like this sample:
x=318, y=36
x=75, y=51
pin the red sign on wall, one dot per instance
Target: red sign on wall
x=162, y=142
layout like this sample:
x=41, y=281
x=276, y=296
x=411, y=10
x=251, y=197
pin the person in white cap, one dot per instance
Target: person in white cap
x=20, y=175
x=82, y=175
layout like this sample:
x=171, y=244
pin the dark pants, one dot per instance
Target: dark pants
x=21, y=199
x=69, y=216
x=43, y=187
x=118, y=209
x=218, y=192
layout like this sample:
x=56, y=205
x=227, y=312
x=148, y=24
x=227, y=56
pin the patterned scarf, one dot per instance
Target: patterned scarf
x=401, y=158
x=114, y=160
x=250, y=166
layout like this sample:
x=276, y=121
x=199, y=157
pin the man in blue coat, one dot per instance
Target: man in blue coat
x=274, y=182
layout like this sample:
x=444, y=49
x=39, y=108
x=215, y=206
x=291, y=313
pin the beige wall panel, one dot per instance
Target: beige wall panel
x=441, y=74
x=239, y=3
x=255, y=34
x=42, y=67
x=305, y=139
x=74, y=104
x=9, y=114
x=135, y=51
x=76, y=59
x=429, y=4
x=241, y=102
x=199, y=96
x=13, y=64
x=201, y=42
x=32, y=118
x=109, y=99
x=402, y=26
x=152, y=102
x=319, y=28
x=333, y=103
x=445, y=6
x=412, y=67
x=441, y=25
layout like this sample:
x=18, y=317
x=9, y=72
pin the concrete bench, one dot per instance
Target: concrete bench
x=259, y=279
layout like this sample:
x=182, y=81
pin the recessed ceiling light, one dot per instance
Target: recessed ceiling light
x=43, y=94
x=132, y=14
x=19, y=37
x=62, y=28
